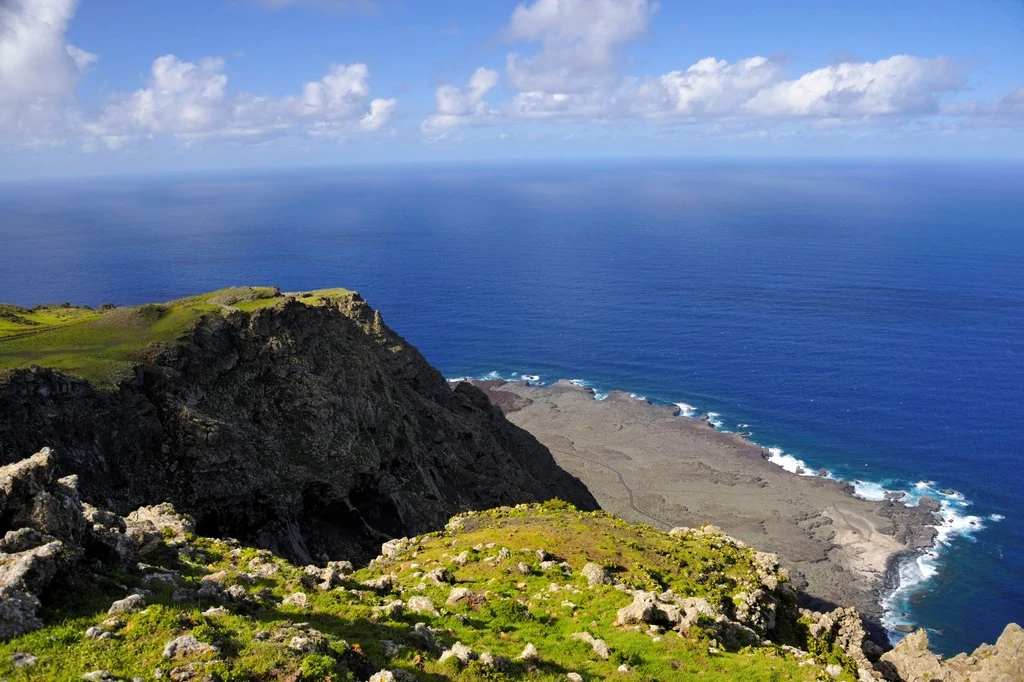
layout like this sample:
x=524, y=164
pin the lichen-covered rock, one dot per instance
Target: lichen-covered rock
x=424, y=637
x=461, y=595
x=599, y=646
x=596, y=575
x=185, y=646
x=440, y=576
x=298, y=599
x=459, y=651
x=643, y=609
x=130, y=604
x=529, y=653
x=422, y=605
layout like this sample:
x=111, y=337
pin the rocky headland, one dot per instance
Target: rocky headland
x=214, y=477
x=299, y=423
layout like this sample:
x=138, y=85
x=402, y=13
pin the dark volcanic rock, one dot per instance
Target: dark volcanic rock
x=313, y=431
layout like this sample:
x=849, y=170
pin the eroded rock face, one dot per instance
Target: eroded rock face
x=43, y=530
x=47, y=531
x=1003, y=661
x=315, y=432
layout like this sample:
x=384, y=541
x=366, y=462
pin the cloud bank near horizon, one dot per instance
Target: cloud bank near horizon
x=567, y=64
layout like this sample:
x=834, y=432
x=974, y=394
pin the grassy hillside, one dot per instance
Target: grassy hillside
x=103, y=345
x=522, y=568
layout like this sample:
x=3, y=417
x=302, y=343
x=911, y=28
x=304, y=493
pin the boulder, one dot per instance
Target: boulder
x=459, y=651
x=422, y=605
x=643, y=609
x=599, y=646
x=187, y=645
x=596, y=575
x=130, y=604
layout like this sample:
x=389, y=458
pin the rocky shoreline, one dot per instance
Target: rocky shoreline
x=649, y=464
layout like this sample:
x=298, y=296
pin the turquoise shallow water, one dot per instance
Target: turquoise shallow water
x=864, y=318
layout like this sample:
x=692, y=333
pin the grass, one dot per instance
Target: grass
x=353, y=638
x=104, y=345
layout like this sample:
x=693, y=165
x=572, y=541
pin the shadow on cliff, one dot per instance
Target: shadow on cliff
x=313, y=431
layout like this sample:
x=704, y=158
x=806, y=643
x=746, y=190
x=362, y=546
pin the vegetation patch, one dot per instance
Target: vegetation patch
x=497, y=595
x=104, y=345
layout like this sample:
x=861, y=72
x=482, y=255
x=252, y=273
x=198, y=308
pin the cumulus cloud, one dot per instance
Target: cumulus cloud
x=1007, y=110
x=39, y=69
x=581, y=42
x=575, y=75
x=455, y=107
x=190, y=101
x=901, y=84
x=710, y=87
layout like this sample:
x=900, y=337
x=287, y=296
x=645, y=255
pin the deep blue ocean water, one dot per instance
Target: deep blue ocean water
x=866, y=318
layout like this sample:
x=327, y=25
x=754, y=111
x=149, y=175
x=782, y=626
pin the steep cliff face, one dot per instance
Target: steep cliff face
x=312, y=430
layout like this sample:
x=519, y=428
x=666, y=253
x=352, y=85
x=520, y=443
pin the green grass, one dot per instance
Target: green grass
x=515, y=609
x=104, y=345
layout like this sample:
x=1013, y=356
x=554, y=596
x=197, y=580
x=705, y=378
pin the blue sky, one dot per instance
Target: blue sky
x=105, y=86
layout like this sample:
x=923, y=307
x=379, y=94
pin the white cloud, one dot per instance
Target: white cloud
x=1007, y=110
x=576, y=76
x=39, y=69
x=190, y=102
x=710, y=87
x=381, y=111
x=899, y=85
x=581, y=42
x=455, y=108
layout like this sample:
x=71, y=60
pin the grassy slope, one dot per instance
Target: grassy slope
x=103, y=345
x=518, y=609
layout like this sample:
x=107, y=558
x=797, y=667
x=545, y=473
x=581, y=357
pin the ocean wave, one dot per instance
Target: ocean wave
x=687, y=410
x=869, y=490
x=788, y=462
x=714, y=420
x=912, y=572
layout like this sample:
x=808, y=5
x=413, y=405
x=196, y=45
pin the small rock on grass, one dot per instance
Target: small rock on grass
x=130, y=604
x=187, y=645
x=529, y=653
x=24, y=660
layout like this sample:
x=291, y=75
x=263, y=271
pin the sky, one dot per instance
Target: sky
x=94, y=87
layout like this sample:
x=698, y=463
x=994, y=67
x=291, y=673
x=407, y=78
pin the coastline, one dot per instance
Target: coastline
x=664, y=466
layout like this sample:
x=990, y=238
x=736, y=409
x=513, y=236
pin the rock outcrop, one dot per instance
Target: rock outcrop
x=311, y=430
x=1003, y=661
x=47, y=531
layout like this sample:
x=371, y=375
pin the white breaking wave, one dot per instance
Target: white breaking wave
x=634, y=396
x=789, y=462
x=713, y=419
x=869, y=490
x=954, y=523
x=687, y=410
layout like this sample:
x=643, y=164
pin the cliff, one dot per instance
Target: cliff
x=299, y=423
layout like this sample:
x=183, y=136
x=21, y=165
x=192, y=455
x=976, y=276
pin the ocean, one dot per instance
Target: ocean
x=866, y=318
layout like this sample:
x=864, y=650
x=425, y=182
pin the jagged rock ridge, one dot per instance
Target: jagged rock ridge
x=312, y=430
